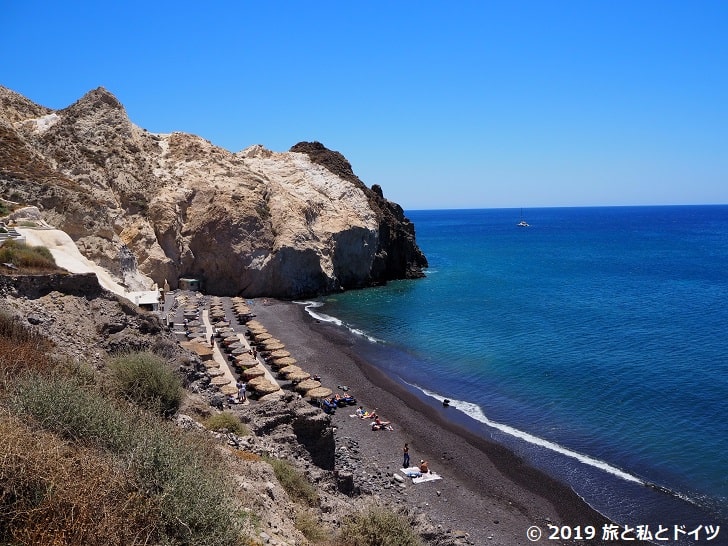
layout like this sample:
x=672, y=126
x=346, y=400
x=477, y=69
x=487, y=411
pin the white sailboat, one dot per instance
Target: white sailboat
x=522, y=223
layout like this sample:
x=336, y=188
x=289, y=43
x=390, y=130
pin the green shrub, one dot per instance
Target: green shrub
x=147, y=380
x=22, y=255
x=294, y=483
x=379, y=527
x=75, y=411
x=227, y=421
x=178, y=474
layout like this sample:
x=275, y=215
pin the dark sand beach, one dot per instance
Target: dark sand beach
x=486, y=490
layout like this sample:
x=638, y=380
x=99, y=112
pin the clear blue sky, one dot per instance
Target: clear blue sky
x=462, y=104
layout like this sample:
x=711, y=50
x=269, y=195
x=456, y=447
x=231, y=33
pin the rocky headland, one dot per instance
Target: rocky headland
x=151, y=208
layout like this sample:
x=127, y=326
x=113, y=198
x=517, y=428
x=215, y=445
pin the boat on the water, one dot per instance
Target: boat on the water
x=522, y=223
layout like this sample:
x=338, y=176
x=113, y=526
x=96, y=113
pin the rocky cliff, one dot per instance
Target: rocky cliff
x=253, y=223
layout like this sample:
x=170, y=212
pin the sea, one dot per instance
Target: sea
x=593, y=343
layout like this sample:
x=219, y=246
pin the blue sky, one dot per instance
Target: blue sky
x=444, y=104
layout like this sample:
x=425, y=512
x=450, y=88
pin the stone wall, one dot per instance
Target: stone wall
x=84, y=285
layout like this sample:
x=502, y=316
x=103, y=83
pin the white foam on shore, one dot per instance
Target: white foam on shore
x=475, y=412
x=311, y=307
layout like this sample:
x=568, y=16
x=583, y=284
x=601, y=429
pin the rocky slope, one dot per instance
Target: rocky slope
x=253, y=223
x=86, y=324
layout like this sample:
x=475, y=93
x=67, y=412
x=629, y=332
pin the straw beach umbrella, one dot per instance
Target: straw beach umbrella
x=262, y=336
x=220, y=381
x=252, y=383
x=288, y=369
x=229, y=389
x=307, y=385
x=250, y=373
x=298, y=376
x=273, y=346
x=278, y=363
x=266, y=388
x=280, y=353
x=246, y=360
x=319, y=392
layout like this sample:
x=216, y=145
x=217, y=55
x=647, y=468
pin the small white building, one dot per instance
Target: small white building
x=148, y=299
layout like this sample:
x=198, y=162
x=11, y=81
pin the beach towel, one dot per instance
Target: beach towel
x=430, y=476
x=417, y=476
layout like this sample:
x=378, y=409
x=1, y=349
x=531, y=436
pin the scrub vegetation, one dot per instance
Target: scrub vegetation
x=27, y=259
x=97, y=462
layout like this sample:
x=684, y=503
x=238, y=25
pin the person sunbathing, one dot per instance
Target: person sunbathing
x=360, y=412
x=347, y=400
x=328, y=406
x=378, y=424
x=423, y=466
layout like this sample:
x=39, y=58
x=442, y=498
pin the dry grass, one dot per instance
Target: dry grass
x=294, y=483
x=22, y=350
x=378, y=526
x=226, y=421
x=65, y=494
x=314, y=531
x=246, y=455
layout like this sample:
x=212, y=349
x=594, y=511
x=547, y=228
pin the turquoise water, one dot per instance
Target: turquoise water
x=594, y=342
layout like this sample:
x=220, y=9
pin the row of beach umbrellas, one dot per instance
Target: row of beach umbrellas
x=252, y=371
x=281, y=361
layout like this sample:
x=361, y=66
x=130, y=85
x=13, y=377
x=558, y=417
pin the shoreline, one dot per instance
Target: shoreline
x=487, y=490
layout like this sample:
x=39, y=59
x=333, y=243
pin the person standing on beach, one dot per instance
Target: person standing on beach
x=405, y=463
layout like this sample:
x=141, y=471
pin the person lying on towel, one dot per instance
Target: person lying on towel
x=378, y=424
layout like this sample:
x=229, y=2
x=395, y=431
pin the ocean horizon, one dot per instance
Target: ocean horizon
x=591, y=342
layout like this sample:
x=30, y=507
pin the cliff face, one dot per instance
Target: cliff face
x=254, y=222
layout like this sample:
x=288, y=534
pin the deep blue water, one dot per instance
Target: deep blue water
x=593, y=342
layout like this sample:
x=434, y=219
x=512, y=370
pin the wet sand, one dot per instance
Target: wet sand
x=486, y=490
